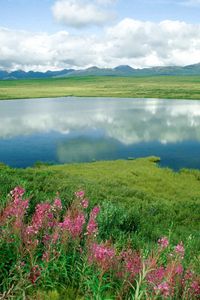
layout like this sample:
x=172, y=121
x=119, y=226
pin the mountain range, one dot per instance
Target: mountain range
x=123, y=70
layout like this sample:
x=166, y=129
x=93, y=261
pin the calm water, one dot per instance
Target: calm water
x=70, y=129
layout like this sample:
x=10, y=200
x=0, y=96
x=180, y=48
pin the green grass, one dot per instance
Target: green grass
x=139, y=199
x=169, y=87
x=140, y=202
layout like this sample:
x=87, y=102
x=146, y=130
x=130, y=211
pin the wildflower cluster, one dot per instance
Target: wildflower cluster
x=68, y=243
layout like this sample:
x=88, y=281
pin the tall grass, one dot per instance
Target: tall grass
x=54, y=251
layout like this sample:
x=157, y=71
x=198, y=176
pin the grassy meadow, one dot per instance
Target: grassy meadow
x=169, y=87
x=155, y=199
x=139, y=203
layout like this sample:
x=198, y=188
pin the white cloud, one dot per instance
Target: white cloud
x=42, y=51
x=82, y=13
x=132, y=42
x=148, y=44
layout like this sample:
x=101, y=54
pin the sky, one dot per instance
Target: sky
x=45, y=35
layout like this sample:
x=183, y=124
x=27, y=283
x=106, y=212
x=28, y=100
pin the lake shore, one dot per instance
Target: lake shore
x=165, y=87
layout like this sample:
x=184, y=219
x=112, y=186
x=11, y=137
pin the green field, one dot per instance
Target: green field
x=139, y=203
x=169, y=87
x=148, y=201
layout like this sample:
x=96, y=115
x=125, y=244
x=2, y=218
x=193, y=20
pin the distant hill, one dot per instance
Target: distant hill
x=32, y=75
x=123, y=70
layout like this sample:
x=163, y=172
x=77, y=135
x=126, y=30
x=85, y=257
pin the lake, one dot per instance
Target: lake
x=66, y=130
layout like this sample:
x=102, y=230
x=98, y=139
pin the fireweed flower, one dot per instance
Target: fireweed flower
x=46, y=256
x=55, y=237
x=179, y=269
x=17, y=192
x=195, y=288
x=35, y=274
x=73, y=224
x=163, y=242
x=132, y=263
x=16, y=209
x=179, y=249
x=46, y=239
x=46, y=233
x=163, y=289
x=42, y=219
x=41, y=216
x=85, y=203
x=57, y=204
x=102, y=255
x=30, y=230
x=156, y=276
x=95, y=211
x=80, y=194
x=92, y=227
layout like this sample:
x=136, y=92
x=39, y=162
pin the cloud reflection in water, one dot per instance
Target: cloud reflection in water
x=101, y=128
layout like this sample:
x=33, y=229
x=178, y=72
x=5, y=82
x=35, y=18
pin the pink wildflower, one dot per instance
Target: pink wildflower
x=188, y=275
x=195, y=287
x=95, y=211
x=163, y=242
x=163, y=289
x=102, y=255
x=132, y=263
x=156, y=276
x=57, y=203
x=16, y=209
x=46, y=256
x=55, y=237
x=42, y=220
x=67, y=223
x=179, y=269
x=179, y=249
x=85, y=203
x=30, y=230
x=92, y=227
x=17, y=192
x=80, y=194
x=41, y=216
x=74, y=224
x=34, y=274
x=46, y=238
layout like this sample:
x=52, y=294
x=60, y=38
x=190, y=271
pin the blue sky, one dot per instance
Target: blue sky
x=110, y=32
x=36, y=15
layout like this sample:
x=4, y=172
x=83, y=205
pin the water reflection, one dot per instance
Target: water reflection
x=86, y=129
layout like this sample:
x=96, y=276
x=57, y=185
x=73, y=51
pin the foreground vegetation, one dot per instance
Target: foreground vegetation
x=172, y=87
x=57, y=249
x=109, y=248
